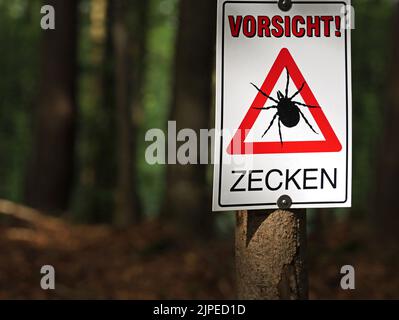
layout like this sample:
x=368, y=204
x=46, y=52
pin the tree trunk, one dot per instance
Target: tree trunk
x=50, y=169
x=129, y=48
x=386, y=208
x=271, y=255
x=137, y=58
x=124, y=214
x=97, y=125
x=187, y=196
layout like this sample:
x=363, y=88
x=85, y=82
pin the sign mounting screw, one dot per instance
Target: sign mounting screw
x=285, y=5
x=284, y=202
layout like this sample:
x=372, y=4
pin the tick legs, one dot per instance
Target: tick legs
x=274, y=100
x=266, y=108
x=288, y=83
x=300, y=89
x=307, y=122
x=271, y=123
x=305, y=105
x=279, y=132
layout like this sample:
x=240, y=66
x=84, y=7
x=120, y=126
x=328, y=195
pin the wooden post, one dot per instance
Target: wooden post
x=270, y=254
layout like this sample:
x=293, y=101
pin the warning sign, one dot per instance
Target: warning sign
x=283, y=109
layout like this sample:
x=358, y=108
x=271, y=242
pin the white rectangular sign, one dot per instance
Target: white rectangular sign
x=283, y=105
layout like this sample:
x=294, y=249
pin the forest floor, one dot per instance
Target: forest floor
x=152, y=261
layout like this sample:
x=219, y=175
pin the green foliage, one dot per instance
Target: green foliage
x=157, y=99
x=94, y=193
x=19, y=34
x=93, y=198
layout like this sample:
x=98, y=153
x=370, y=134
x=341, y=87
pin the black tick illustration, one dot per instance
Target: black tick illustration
x=288, y=112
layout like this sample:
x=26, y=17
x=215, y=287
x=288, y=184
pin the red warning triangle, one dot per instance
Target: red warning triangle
x=238, y=144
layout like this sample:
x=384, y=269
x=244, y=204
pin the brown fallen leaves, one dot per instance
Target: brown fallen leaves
x=149, y=261
x=152, y=261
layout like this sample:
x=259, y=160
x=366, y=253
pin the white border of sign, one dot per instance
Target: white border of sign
x=220, y=146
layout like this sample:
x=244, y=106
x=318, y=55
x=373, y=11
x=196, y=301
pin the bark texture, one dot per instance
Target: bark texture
x=271, y=255
x=50, y=169
x=124, y=214
x=386, y=208
x=129, y=40
x=187, y=196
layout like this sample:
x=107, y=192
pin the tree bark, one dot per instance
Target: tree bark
x=97, y=129
x=129, y=48
x=139, y=23
x=187, y=196
x=386, y=208
x=50, y=169
x=124, y=214
x=271, y=255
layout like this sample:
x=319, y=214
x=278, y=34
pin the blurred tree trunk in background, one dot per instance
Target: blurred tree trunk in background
x=97, y=125
x=103, y=134
x=138, y=16
x=129, y=34
x=124, y=194
x=50, y=170
x=386, y=206
x=188, y=194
